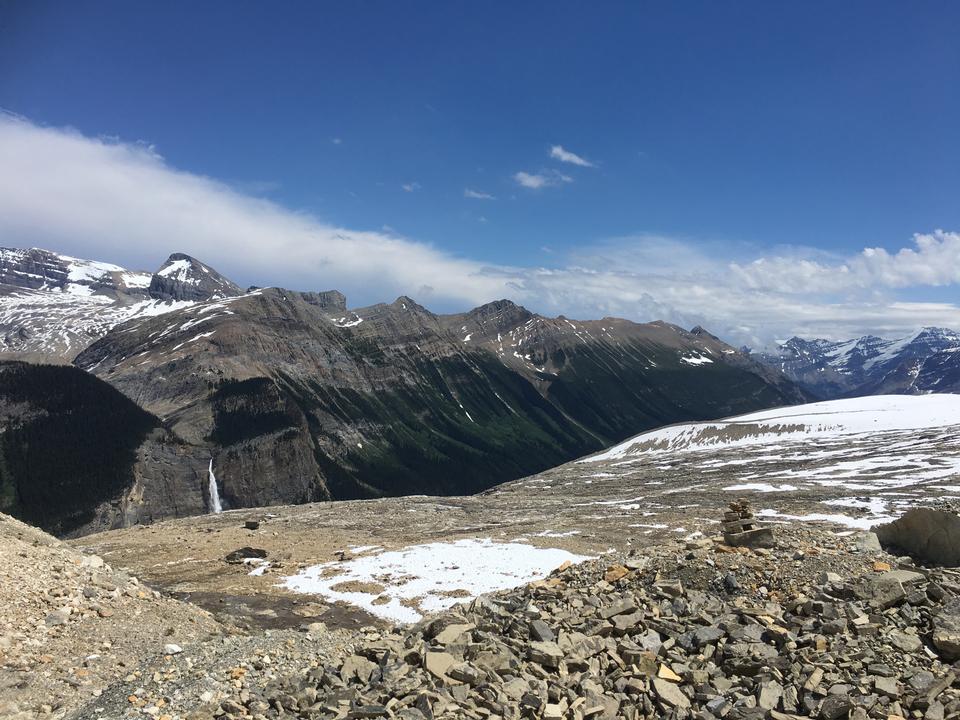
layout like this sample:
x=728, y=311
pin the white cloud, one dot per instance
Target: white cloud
x=477, y=194
x=103, y=199
x=411, y=186
x=557, y=152
x=121, y=202
x=542, y=179
x=933, y=261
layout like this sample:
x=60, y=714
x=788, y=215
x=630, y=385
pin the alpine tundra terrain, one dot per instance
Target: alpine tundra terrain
x=615, y=593
x=271, y=396
x=848, y=463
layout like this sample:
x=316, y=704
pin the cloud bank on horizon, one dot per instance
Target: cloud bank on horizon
x=121, y=202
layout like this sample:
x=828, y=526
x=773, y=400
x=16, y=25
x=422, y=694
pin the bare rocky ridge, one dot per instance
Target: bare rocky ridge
x=300, y=400
x=297, y=398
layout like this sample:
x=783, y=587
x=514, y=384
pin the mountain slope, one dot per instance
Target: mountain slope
x=300, y=399
x=76, y=455
x=926, y=361
x=53, y=306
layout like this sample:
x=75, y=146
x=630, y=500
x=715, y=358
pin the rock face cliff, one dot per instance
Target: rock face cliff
x=299, y=399
x=77, y=456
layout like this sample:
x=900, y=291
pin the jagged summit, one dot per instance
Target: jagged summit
x=52, y=306
x=927, y=360
x=700, y=330
x=183, y=277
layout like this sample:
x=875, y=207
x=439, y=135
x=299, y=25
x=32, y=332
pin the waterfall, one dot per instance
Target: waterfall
x=215, y=505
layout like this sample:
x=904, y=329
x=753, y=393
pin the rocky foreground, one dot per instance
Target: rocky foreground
x=819, y=626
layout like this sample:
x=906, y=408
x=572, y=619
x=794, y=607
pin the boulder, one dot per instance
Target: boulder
x=927, y=535
x=245, y=553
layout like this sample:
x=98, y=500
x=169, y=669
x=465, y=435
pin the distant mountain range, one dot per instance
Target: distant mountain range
x=927, y=361
x=294, y=397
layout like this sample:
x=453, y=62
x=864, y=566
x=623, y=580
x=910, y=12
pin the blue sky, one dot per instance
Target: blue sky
x=691, y=136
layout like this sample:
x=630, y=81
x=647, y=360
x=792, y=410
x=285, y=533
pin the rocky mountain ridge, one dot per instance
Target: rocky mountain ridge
x=299, y=399
x=52, y=306
x=274, y=396
x=923, y=362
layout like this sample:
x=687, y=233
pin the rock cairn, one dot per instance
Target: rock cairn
x=740, y=529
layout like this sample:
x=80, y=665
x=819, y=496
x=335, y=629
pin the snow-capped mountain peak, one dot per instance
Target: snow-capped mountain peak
x=183, y=277
x=52, y=306
x=922, y=362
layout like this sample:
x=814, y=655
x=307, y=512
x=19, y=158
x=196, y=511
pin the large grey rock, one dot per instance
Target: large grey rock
x=547, y=654
x=946, y=631
x=928, y=535
x=670, y=693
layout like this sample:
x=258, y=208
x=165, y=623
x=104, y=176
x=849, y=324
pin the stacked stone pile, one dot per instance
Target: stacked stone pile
x=740, y=528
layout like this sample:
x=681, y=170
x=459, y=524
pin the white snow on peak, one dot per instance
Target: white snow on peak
x=345, y=322
x=87, y=271
x=136, y=279
x=830, y=419
x=178, y=270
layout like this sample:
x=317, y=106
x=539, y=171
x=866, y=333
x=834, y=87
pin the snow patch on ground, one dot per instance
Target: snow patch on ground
x=860, y=523
x=428, y=578
x=762, y=487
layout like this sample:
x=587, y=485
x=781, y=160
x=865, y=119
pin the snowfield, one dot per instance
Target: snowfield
x=830, y=419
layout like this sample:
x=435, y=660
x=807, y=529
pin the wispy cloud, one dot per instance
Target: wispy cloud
x=557, y=152
x=542, y=179
x=116, y=201
x=336, y=141
x=410, y=186
x=477, y=194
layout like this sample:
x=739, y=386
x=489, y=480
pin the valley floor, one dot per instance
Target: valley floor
x=671, y=484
